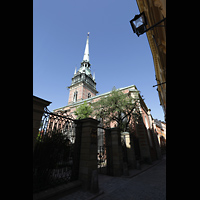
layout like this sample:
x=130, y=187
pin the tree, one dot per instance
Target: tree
x=83, y=111
x=116, y=107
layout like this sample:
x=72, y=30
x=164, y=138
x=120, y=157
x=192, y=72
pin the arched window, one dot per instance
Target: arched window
x=89, y=95
x=75, y=96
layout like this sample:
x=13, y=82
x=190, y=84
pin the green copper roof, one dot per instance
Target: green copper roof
x=84, y=69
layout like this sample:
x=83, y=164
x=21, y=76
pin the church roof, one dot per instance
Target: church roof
x=85, y=70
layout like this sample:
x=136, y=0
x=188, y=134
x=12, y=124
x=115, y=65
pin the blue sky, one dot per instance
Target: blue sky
x=118, y=56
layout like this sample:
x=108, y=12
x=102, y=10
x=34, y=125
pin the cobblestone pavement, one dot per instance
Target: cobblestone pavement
x=149, y=185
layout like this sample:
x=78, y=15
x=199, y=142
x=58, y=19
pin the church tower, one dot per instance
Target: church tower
x=83, y=84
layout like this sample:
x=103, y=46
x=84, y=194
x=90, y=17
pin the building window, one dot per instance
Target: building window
x=89, y=95
x=75, y=96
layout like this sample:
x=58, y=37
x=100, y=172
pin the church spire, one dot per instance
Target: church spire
x=86, y=53
x=83, y=84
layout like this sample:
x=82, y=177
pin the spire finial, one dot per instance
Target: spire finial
x=86, y=53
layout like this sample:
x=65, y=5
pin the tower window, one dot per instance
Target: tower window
x=75, y=96
x=89, y=95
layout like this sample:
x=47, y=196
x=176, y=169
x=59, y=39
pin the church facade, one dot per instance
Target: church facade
x=83, y=88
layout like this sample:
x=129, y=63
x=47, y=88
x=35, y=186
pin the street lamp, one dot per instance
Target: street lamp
x=139, y=22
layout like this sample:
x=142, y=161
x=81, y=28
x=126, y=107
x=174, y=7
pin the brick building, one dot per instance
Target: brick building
x=155, y=11
x=160, y=130
x=83, y=88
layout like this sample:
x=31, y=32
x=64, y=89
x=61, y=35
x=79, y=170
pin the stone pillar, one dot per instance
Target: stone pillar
x=109, y=152
x=88, y=155
x=117, y=158
x=143, y=142
x=38, y=110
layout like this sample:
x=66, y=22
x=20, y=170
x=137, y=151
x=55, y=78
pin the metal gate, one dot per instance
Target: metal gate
x=101, y=150
x=53, y=156
x=104, y=153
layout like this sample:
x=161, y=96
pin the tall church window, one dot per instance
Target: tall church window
x=75, y=96
x=89, y=95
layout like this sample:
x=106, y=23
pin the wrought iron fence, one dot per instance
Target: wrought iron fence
x=103, y=153
x=102, y=157
x=53, y=156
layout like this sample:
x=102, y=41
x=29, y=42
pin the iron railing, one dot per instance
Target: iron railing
x=53, y=159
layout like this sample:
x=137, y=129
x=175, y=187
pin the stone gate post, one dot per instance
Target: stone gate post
x=88, y=155
x=117, y=158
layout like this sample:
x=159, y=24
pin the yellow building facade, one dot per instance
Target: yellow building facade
x=155, y=11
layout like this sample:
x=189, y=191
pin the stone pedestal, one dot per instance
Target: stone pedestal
x=88, y=155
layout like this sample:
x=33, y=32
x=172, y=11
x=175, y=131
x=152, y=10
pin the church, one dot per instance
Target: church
x=83, y=88
x=83, y=85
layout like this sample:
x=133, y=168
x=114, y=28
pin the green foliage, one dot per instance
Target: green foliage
x=83, y=111
x=116, y=107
